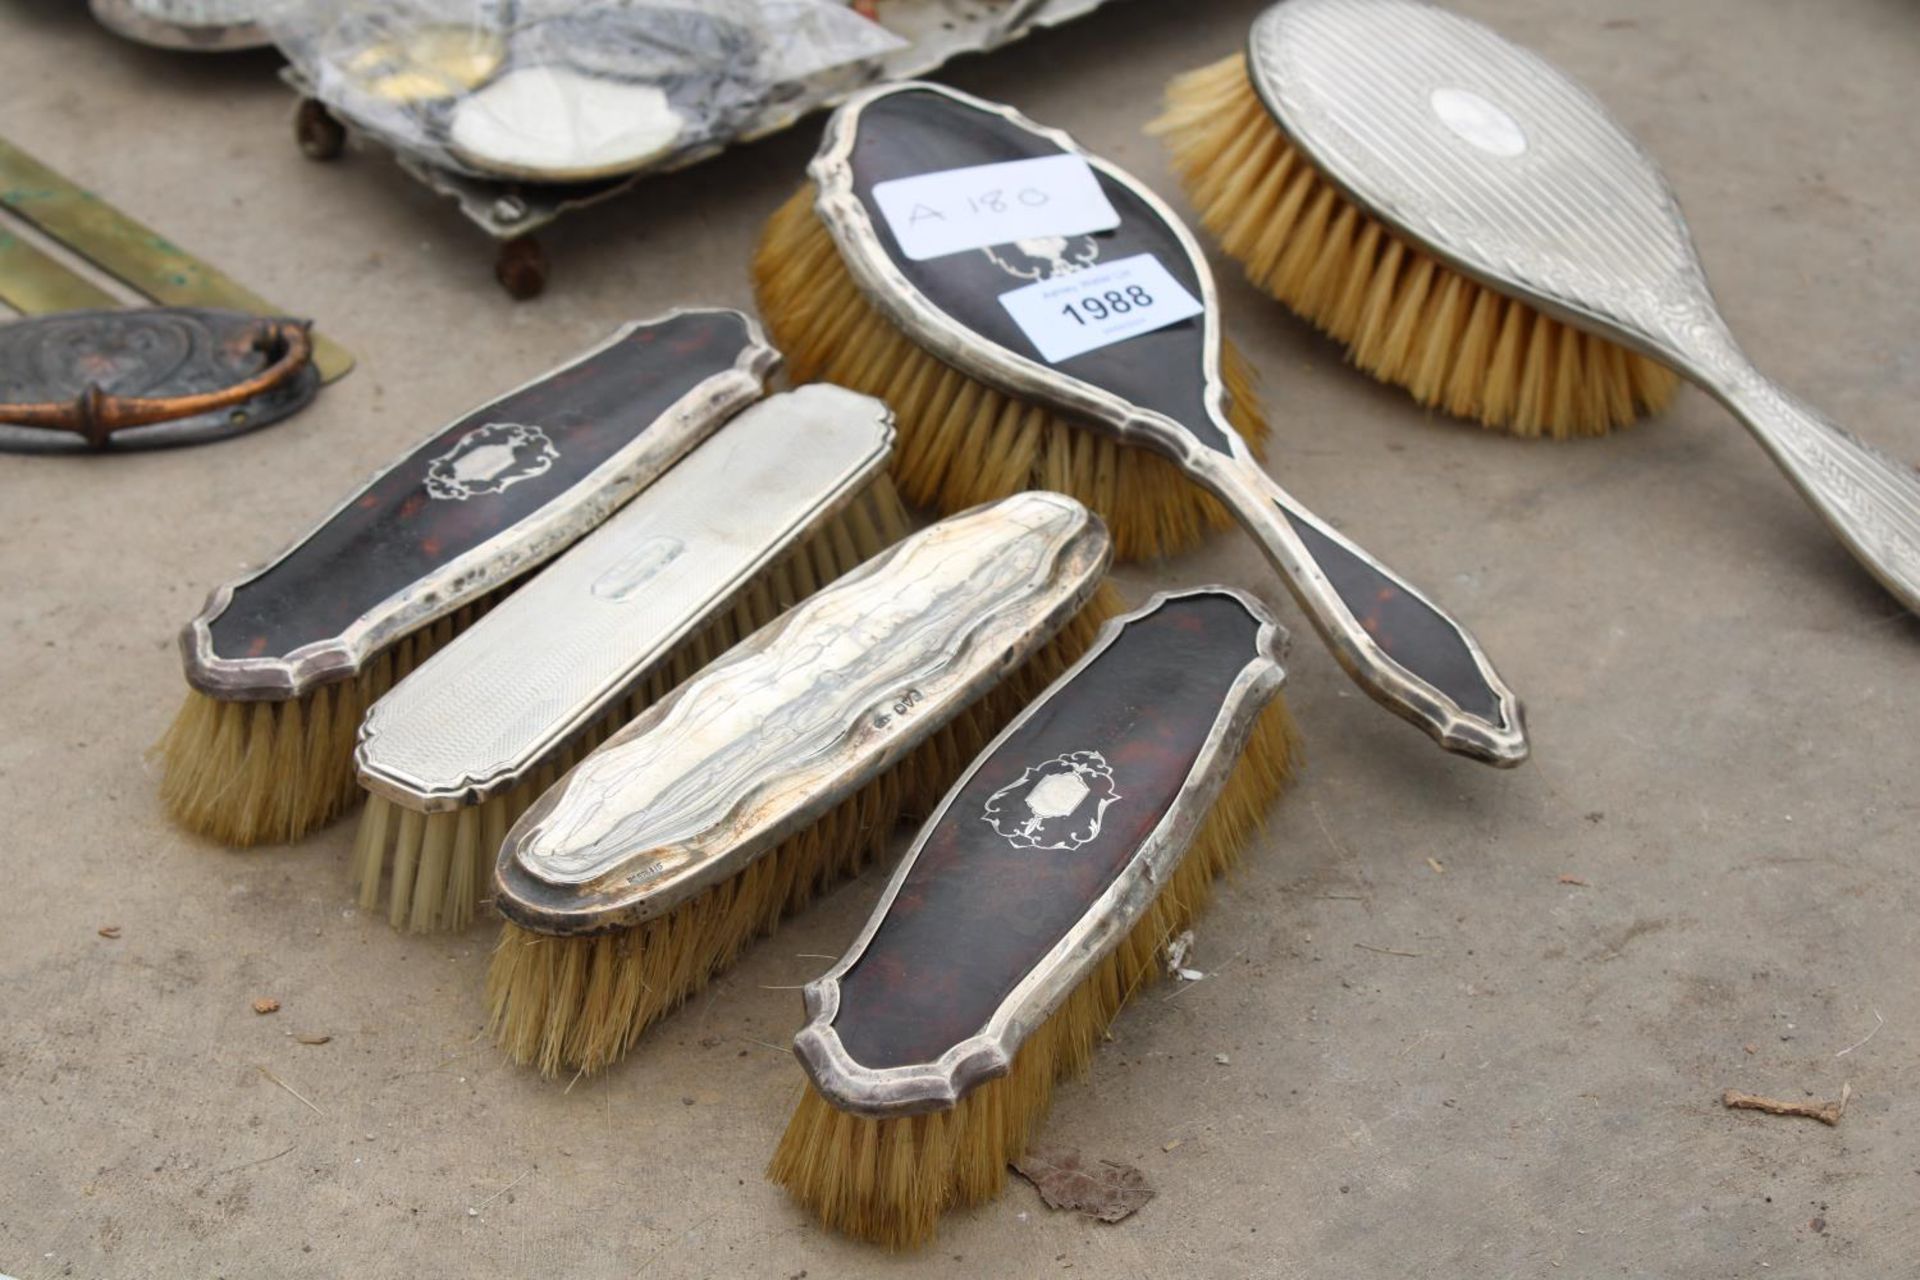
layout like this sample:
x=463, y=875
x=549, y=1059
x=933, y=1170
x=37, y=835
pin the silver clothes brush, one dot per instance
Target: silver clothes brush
x=779, y=769
x=782, y=500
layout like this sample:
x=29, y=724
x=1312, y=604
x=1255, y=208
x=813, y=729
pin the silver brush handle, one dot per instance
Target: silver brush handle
x=1407, y=653
x=1871, y=501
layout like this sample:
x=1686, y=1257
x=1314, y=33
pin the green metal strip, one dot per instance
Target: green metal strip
x=131, y=252
x=33, y=281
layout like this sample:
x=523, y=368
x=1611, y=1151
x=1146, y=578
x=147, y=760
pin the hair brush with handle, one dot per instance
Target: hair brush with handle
x=1466, y=215
x=1034, y=903
x=282, y=663
x=1159, y=388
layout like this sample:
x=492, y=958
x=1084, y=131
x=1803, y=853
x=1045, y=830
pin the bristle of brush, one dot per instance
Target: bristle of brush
x=435, y=868
x=962, y=443
x=248, y=773
x=888, y=1181
x=1404, y=317
x=578, y=1004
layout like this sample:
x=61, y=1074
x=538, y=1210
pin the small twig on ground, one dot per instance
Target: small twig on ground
x=221, y=1173
x=765, y=1044
x=1426, y=1033
x=473, y=1211
x=1828, y=1113
x=1389, y=951
x=289, y=1088
x=1879, y=1022
x=440, y=1065
x=1327, y=831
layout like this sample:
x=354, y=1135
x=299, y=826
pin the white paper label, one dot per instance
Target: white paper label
x=1073, y=314
x=935, y=214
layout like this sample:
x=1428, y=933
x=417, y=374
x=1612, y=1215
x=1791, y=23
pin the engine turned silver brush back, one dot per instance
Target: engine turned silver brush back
x=1489, y=158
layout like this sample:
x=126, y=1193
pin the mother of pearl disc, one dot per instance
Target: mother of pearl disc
x=555, y=125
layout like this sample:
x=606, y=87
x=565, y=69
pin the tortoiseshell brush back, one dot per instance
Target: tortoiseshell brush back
x=1481, y=229
x=283, y=663
x=1035, y=902
x=965, y=441
x=782, y=500
x=780, y=768
x=1158, y=388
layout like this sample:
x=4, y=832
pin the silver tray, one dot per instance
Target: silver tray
x=512, y=211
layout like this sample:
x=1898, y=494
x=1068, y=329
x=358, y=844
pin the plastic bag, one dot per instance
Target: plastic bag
x=559, y=91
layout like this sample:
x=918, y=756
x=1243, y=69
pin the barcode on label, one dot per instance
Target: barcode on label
x=934, y=214
x=1074, y=314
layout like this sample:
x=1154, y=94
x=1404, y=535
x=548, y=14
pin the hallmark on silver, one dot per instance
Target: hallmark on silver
x=490, y=459
x=1058, y=805
x=638, y=567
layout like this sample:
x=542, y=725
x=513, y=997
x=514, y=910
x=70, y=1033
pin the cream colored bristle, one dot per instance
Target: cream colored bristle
x=247, y=773
x=436, y=869
x=578, y=1004
x=1405, y=318
x=888, y=1181
x=962, y=443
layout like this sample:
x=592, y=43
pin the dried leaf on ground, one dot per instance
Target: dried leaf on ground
x=108, y=931
x=1104, y=1189
x=312, y=1038
x=266, y=1004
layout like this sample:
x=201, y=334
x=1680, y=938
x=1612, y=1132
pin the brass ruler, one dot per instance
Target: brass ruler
x=33, y=281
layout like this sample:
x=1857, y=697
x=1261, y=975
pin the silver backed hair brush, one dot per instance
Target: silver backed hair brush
x=1479, y=229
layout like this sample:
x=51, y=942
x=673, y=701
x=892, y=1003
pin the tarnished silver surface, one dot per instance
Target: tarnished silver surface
x=1236, y=478
x=937, y=31
x=799, y=716
x=938, y=1085
x=1414, y=112
x=483, y=712
x=127, y=378
x=494, y=562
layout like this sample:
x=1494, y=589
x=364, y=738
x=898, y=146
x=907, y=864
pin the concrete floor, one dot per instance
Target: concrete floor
x=1723, y=710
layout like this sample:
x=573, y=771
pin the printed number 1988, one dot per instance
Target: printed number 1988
x=1098, y=306
x=1114, y=302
